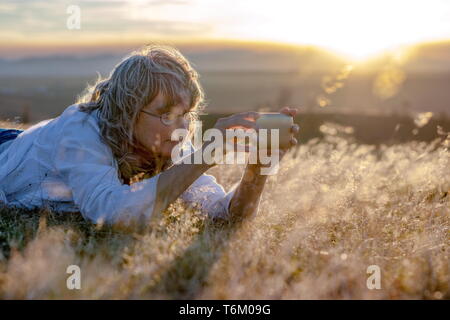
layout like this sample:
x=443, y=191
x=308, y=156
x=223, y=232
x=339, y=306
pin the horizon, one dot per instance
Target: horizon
x=24, y=51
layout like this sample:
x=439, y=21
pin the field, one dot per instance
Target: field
x=334, y=209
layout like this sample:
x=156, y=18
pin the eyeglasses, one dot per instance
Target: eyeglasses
x=169, y=118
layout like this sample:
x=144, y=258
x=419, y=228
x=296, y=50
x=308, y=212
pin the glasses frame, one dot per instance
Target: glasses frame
x=164, y=118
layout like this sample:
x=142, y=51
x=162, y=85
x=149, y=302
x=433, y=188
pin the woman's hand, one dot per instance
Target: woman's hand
x=243, y=120
x=247, y=120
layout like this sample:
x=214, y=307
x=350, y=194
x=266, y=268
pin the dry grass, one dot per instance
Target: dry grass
x=18, y=125
x=334, y=209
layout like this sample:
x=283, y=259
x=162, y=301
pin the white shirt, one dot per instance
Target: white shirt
x=62, y=164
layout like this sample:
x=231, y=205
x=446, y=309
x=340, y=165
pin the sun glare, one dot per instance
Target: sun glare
x=353, y=28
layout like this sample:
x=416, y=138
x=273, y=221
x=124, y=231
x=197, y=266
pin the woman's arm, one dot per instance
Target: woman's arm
x=245, y=202
x=175, y=180
x=246, y=198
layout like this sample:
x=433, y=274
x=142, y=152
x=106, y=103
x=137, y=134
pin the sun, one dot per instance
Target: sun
x=354, y=28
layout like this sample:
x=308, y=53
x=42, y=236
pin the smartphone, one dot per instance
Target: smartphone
x=275, y=120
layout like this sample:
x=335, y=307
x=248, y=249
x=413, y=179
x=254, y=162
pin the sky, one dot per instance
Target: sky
x=354, y=28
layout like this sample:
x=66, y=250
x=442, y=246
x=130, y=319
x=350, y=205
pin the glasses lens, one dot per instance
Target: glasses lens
x=170, y=118
x=167, y=119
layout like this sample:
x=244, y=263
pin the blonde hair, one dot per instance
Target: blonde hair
x=132, y=85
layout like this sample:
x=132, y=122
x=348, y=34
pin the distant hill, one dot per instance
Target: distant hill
x=428, y=57
x=422, y=58
x=67, y=66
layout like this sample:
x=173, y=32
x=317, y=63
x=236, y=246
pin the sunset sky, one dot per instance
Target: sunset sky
x=355, y=28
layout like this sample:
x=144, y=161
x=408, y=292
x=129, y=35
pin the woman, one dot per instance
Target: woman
x=108, y=156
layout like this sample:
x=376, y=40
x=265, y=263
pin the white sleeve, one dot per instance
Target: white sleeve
x=87, y=166
x=210, y=196
x=207, y=193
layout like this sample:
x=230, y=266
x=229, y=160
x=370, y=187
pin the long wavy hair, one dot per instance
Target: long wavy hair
x=133, y=84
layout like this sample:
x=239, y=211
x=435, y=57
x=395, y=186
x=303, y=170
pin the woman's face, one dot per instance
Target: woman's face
x=155, y=135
